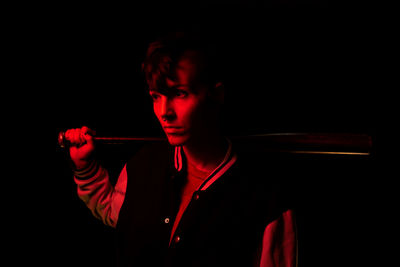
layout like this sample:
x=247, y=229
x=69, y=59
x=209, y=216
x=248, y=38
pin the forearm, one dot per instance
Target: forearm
x=96, y=191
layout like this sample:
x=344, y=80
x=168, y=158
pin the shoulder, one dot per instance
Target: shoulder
x=256, y=159
x=150, y=154
x=269, y=174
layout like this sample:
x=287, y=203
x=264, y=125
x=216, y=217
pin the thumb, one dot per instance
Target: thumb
x=88, y=134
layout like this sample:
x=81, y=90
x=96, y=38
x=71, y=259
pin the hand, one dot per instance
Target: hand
x=81, y=146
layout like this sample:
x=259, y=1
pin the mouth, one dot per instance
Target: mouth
x=173, y=130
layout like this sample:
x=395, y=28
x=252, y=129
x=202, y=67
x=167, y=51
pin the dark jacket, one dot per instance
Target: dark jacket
x=222, y=226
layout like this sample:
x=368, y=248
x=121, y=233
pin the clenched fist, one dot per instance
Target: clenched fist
x=81, y=146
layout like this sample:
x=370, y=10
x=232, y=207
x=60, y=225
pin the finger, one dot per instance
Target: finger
x=88, y=134
x=87, y=130
x=73, y=136
x=77, y=137
x=67, y=134
x=81, y=136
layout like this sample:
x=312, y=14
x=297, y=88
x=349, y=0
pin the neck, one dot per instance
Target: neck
x=207, y=153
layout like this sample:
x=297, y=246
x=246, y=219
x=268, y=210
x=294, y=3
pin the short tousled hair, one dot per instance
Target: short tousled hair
x=164, y=53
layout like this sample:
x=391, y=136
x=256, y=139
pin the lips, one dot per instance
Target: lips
x=173, y=130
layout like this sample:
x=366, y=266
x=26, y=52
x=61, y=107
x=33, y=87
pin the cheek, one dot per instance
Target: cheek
x=191, y=113
x=156, y=111
x=183, y=111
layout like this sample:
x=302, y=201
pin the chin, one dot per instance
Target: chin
x=177, y=140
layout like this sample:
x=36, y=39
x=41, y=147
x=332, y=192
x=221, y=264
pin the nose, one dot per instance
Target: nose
x=166, y=109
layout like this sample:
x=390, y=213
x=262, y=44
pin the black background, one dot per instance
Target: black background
x=287, y=69
x=289, y=66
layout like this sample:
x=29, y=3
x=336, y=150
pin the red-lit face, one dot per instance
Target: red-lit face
x=184, y=110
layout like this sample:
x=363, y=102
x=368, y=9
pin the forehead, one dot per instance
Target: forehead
x=186, y=72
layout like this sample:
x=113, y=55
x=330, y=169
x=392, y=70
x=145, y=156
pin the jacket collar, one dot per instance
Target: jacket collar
x=229, y=159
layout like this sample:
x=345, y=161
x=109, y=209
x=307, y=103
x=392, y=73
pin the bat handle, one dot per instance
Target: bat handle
x=61, y=139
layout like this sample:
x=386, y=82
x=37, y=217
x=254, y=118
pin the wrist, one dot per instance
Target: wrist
x=86, y=169
x=80, y=165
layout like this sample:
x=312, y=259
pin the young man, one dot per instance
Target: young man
x=197, y=200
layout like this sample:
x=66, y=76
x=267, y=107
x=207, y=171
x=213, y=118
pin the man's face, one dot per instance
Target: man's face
x=183, y=109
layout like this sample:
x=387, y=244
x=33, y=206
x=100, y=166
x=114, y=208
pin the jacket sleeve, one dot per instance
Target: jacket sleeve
x=280, y=242
x=100, y=196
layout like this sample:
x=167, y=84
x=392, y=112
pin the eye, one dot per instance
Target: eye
x=181, y=94
x=154, y=96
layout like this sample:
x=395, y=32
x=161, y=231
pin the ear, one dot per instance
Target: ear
x=219, y=92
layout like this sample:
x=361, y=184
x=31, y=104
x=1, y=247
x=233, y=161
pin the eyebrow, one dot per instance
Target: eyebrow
x=179, y=86
x=175, y=87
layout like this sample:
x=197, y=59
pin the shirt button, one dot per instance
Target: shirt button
x=166, y=220
x=177, y=239
x=196, y=196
